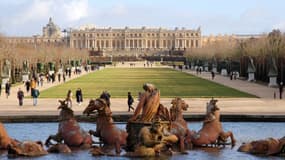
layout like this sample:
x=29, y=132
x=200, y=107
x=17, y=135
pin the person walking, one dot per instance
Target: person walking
x=213, y=75
x=27, y=84
x=7, y=88
x=41, y=81
x=33, y=86
x=59, y=77
x=20, y=96
x=280, y=90
x=35, y=95
x=130, y=102
x=79, y=98
x=69, y=98
x=63, y=76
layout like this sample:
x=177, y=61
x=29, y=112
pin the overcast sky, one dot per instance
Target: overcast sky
x=27, y=17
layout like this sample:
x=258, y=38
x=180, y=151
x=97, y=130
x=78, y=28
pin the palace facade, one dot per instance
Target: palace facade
x=135, y=39
x=125, y=39
x=51, y=34
x=112, y=39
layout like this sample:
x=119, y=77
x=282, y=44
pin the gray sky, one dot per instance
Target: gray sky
x=27, y=17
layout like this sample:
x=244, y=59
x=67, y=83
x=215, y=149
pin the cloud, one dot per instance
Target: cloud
x=75, y=10
x=280, y=26
x=36, y=11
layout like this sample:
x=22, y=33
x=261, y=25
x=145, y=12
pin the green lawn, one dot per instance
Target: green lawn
x=118, y=81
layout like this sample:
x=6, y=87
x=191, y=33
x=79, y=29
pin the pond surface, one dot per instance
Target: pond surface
x=243, y=132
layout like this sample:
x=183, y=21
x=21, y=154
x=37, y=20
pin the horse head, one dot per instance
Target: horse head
x=66, y=112
x=213, y=105
x=178, y=106
x=99, y=105
x=106, y=95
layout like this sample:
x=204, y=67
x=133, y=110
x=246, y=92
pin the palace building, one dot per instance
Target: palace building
x=114, y=39
x=111, y=39
x=51, y=35
x=142, y=39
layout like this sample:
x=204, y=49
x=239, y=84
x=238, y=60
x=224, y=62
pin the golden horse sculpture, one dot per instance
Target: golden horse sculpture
x=269, y=146
x=105, y=129
x=178, y=126
x=212, y=131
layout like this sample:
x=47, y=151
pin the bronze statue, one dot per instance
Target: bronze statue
x=69, y=130
x=148, y=105
x=269, y=146
x=212, y=131
x=105, y=129
x=152, y=141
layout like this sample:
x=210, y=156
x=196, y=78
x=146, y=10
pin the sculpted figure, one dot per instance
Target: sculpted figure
x=269, y=146
x=16, y=148
x=148, y=105
x=27, y=148
x=212, y=131
x=5, y=139
x=178, y=126
x=153, y=141
x=105, y=128
x=59, y=148
x=25, y=67
x=69, y=130
x=6, y=68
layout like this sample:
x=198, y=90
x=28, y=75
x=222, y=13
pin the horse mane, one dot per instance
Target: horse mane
x=162, y=113
x=66, y=113
x=175, y=109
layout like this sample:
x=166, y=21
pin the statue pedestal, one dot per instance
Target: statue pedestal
x=251, y=77
x=224, y=72
x=272, y=82
x=4, y=81
x=60, y=71
x=214, y=69
x=206, y=69
x=25, y=77
x=50, y=72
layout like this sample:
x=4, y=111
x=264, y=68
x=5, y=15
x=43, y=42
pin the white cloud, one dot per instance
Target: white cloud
x=75, y=10
x=280, y=26
x=36, y=11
